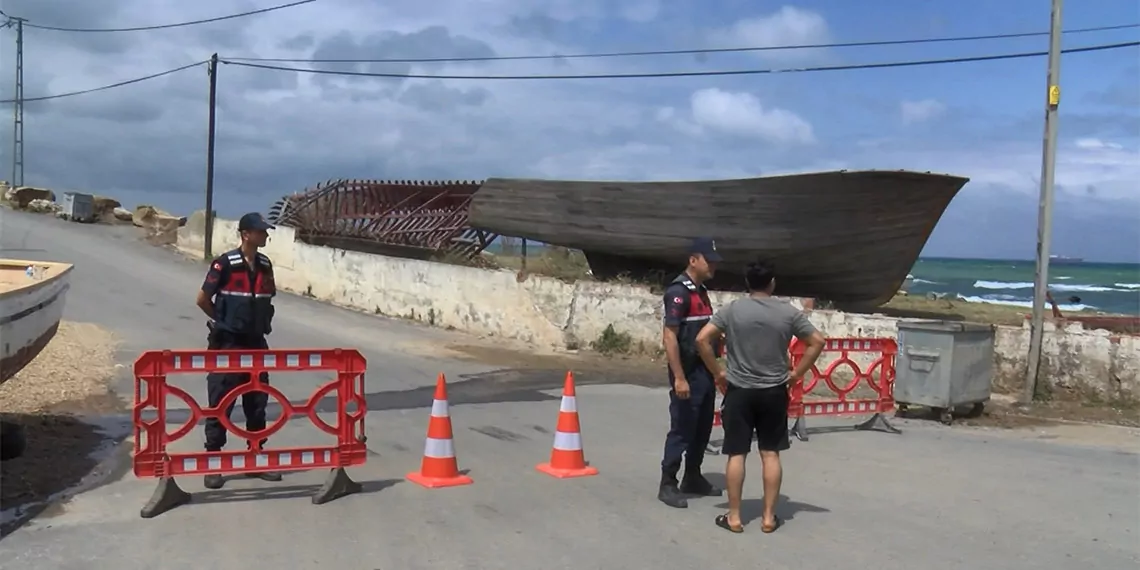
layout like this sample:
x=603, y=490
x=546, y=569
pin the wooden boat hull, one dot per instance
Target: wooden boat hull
x=30, y=310
x=850, y=237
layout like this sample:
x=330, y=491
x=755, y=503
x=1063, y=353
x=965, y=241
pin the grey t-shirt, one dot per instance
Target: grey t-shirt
x=758, y=331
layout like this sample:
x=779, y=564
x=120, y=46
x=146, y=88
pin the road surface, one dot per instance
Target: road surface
x=933, y=497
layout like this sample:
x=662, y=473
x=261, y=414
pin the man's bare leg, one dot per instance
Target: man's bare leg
x=773, y=476
x=734, y=477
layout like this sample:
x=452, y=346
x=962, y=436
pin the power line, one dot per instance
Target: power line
x=167, y=26
x=687, y=51
x=106, y=87
x=627, y=75
x=881, y=65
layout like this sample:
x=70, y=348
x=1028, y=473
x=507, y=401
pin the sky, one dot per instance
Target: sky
x=280, y=132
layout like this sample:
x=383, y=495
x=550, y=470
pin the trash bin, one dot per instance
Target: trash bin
x=943, y=365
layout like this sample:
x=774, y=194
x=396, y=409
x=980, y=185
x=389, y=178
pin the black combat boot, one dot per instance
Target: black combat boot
x=271, y=476
x=696, y=484
x=669, y=494
x=213, y=481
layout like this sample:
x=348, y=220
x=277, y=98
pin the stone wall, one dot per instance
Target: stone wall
x=554, y=314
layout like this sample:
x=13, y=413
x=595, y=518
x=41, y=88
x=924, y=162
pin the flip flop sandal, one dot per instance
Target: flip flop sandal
x=722, y=522
x=771, y=529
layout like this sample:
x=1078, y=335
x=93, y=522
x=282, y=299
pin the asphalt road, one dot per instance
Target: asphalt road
x=933, y=497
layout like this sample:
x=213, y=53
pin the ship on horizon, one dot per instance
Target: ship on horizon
x=1065, y=260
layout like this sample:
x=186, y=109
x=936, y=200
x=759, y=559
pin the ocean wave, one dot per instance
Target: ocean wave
x=1085, y=288
x=917, y=280
x=1003, y=285
x=1013, y=302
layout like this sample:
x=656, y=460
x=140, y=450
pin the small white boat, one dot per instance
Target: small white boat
x=32, y=295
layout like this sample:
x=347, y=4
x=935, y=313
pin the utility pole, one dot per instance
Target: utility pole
x=18, y=107
x=1045, y=207
x=208, y=246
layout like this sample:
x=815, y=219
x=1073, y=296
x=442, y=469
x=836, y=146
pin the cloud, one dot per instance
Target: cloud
x=279, y=132
x=920, y=111
x=787, y=26
x=742, y=115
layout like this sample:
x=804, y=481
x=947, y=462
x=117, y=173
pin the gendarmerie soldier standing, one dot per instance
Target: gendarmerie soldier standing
x=237, y=296
x=693, y=395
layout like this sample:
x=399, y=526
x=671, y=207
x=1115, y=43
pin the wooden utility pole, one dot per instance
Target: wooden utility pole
x=208, y=246
x=1045, y=207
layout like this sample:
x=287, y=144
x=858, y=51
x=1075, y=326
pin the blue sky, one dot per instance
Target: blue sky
x=281, y=132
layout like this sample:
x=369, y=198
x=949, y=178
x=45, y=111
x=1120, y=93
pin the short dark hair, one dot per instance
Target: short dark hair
x=758, y=276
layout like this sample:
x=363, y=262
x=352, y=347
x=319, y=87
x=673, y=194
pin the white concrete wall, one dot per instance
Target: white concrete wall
x=554, y=314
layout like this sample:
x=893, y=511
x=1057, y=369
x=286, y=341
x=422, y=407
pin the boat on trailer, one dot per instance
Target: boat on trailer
x=32, y=296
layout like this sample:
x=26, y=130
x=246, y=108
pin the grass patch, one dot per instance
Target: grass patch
x=914, y=306
x=561, y=263
x=612, y=342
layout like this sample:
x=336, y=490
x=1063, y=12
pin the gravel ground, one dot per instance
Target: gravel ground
x=66, y=382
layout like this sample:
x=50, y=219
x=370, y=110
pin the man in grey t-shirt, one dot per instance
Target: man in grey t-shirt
x=758, y=330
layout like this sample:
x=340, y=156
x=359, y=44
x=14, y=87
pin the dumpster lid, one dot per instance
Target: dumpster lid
x=943, y=326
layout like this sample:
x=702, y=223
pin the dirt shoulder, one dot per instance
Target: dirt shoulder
x=67, y=381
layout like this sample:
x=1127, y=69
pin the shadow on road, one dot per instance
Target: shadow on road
x=493, y=387
x=752, y=509
x=274, y=491
x=61, y=454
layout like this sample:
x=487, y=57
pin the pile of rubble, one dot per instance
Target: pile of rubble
x=160, y=227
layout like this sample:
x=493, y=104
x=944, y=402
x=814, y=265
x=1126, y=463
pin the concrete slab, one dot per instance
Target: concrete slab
x=944, y=498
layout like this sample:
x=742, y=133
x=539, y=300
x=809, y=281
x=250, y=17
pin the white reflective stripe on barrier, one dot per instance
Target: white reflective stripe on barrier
x=284, y=458
x=438, y=448
x=439, y=408
x=569, y=404
x=567, y=441
x=268, y=361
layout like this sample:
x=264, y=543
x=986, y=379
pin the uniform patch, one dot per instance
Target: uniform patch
x=217, y=266
x=678, y=300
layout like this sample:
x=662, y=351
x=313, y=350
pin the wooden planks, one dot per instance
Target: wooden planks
x=843, y=236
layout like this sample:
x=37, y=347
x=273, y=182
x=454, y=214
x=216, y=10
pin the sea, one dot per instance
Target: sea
x=1106, y=287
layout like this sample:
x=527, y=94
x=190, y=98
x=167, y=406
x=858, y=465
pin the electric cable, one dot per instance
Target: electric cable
x=596, y=76
x=106, y=87
x=28, y=24
x=880, y=65
x=687, y=51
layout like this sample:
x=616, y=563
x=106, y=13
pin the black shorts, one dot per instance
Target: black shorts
x=763, y=411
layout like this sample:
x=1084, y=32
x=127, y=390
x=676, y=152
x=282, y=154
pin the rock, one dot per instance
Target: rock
x=23, y=196
x=161, y=227
x=105, y=208
x=41, y=206
x=145, y=216
x=123, y=214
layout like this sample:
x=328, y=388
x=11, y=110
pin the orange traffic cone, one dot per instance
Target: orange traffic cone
x=439, y=467
x=567, y=458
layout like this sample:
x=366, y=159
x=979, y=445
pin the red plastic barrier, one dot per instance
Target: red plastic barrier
x=151, y=457
x=841, y=404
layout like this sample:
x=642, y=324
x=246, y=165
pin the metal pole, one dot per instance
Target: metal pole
x=208, y=246
x=1045, y=207
x=18, y=109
